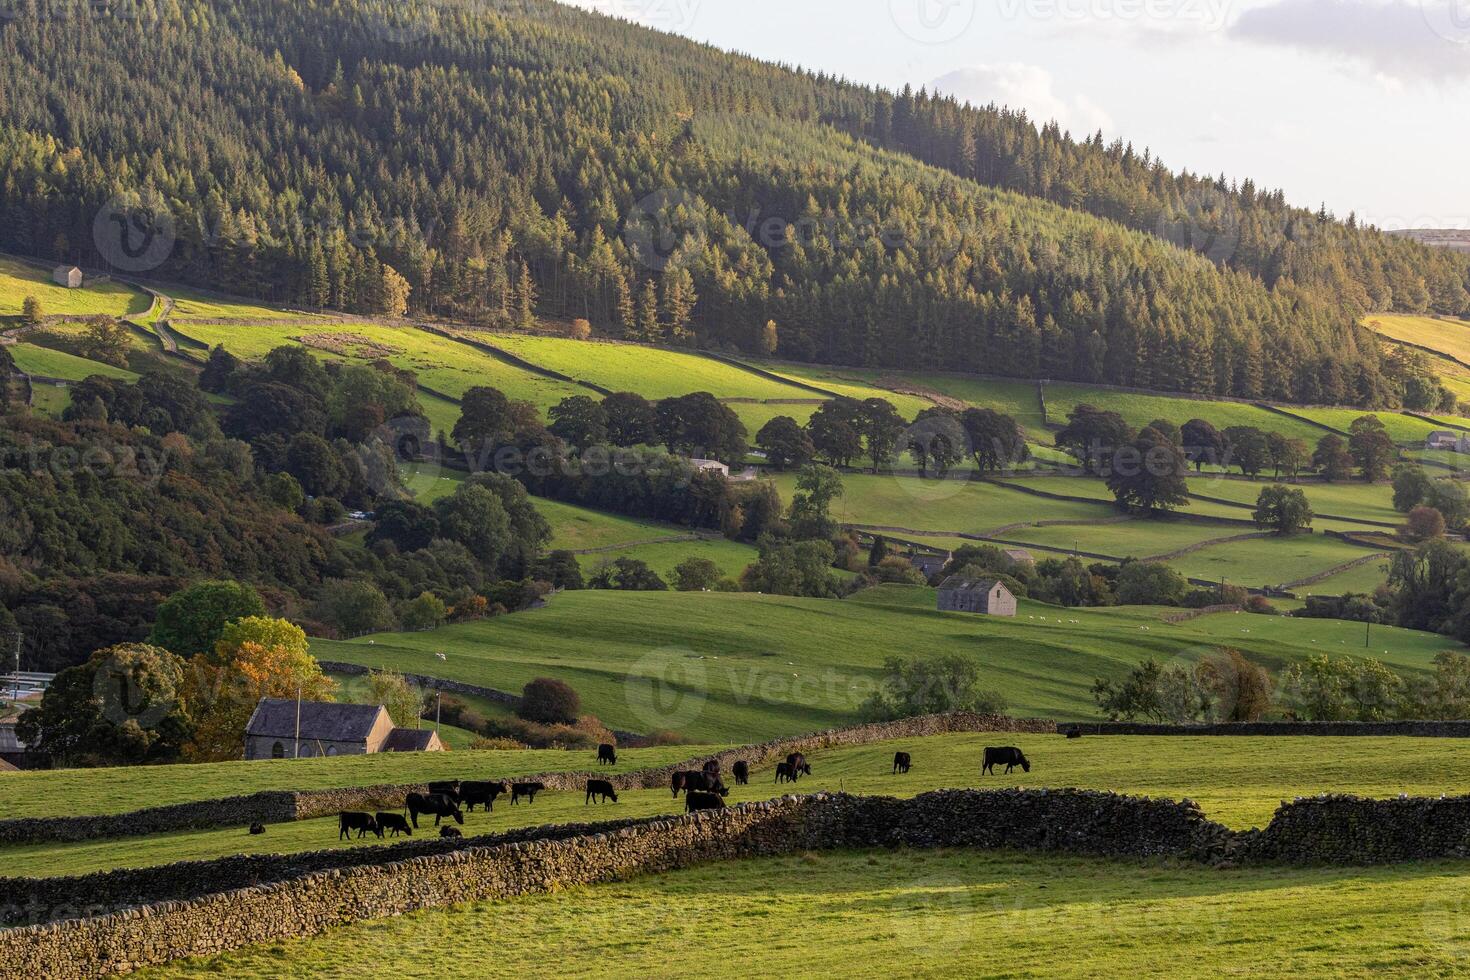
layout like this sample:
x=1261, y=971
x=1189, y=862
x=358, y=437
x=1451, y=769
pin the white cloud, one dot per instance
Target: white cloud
x=1022, y=86
x=1398, y=40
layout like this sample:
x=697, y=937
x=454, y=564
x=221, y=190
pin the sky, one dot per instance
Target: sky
x=1363, y=105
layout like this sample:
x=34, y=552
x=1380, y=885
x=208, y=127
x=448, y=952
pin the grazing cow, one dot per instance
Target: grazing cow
x=702, y=801
x=741, y=770
x=784, y=773
x=256, y=829
x=449, y=788
x=608, y=754
x=481, y=794
x=528, y=790
x=432, y=803
x=600, y=788
x=1074, y=733
x=394, y=823
x=901, y=762
x=450, y=832
x=798, y=764
x=363, y=823
x=711, y=768
x=1009, y=756
x=708, y=782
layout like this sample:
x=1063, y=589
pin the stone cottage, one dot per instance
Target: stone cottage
x=328, y=729
x=987, y=596
x=67, y=275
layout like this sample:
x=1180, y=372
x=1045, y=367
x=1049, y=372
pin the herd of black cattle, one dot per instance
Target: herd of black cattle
x=703, y=790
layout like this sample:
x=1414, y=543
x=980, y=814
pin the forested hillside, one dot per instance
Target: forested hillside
x=496, y=161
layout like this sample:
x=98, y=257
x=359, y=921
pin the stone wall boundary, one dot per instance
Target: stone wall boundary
x=285, y=806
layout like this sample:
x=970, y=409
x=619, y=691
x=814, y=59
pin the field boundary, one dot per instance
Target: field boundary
x=1331, y=830
x=286, y=806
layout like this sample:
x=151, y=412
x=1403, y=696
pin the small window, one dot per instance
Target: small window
x=278, y=751
x=331, y=750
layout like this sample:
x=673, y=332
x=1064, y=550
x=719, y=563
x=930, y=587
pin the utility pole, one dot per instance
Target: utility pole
x=1367, y=633
x=19, y=638
x=438, y=703
x=298, y=722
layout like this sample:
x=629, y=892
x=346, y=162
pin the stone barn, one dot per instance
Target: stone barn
x=329, y=729
x=986, y=596
x=67, y=275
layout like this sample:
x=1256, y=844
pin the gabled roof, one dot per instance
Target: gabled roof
x=7, y=767
x=959, y=583
x=412, y=740
x=320, y=720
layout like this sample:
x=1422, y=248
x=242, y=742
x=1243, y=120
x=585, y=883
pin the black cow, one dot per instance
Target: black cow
x=741, y=770
x=482, y=794
x=784, y=773
x=363, y=823
x=528, y=790
x=450, y=832
x=707, y=782
x=395, y=823
x=608, y=754
x=600, y=788
x=438, y=804
x=1074, y=733
x=256, y=829
x=449, y=788
x=702, y=801
x=1009, y=756
x=798, y=764
x=901, y=762
x=711, y=768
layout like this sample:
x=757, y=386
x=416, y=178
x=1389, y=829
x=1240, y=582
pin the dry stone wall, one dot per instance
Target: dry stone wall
x=1072, y=820
x=279, y=807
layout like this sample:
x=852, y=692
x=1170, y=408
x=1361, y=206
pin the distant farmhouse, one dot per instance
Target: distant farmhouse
x=1443, y=439
x=986, y=596
x=930, y=565
x=67, y=275
x=710, y=466
x=329, y=729
x=1020, y=556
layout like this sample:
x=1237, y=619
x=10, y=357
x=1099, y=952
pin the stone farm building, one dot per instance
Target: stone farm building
x=1455, y=442
x=67, y=275
x=987, y=596
x=329, y=729
x=929, y=565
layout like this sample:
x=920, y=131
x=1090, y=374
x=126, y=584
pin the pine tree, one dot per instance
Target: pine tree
x=525, y=299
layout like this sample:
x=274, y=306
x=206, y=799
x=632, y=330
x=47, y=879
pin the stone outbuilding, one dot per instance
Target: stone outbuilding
x=67, y=275
x=986, y=596
x=329, y=729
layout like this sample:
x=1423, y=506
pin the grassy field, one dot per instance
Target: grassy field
x=650, y=371
x=50, y=400
x=1446, y=335
x=1267, y=561
x=1401, y=428
x=856, y=383
x=740, y=667
x=730, y=556
x=944, y=505
x=447, y=366
x=1364, y=578
x=1224, y=775
x=920, y=914
x=1133, y=539
x=1141, y=409
x=57, y=364
x=19, y=280
x=190, y=304
x=1364, y=501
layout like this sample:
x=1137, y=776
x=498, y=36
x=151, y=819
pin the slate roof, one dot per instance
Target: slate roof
x=320, y=720
x=959, y=583
x=410, y=740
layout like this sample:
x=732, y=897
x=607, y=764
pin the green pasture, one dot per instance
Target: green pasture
x=1224, y=775
x=740, y=667
x=1140, y=409
x=50, y=363
x=920, y=914
x=1446, y=335
x=1363, y=579
x=1361, y=501
x=1268, y=561
x=1139, y=538
x=1402, y=428
x=20, y=279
